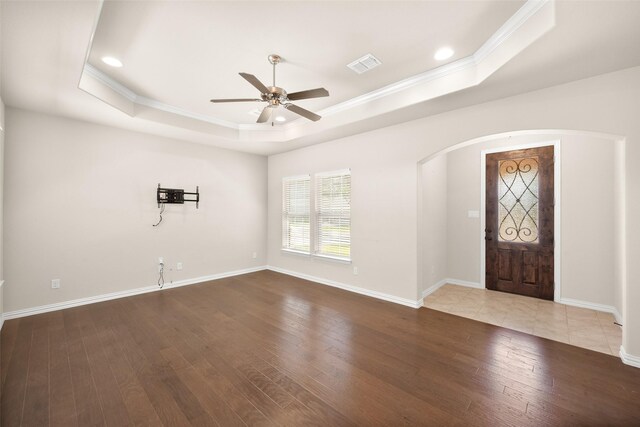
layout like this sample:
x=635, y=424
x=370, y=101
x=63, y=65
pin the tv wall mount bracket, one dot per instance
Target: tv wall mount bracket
x=176, y=196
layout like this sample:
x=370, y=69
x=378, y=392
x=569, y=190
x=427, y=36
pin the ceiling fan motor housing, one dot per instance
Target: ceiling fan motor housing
x=276, y=95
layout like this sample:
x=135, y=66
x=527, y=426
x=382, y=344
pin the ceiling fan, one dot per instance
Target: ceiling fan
x=276, y=96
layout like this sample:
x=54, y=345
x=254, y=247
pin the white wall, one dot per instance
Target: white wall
x=463, y=191
x=588, y=214
x=383, y=217
x=80, y=204
x=620, y=253
x=1, y=210
x=434, y=222
x=385, y=179
x=589, y=221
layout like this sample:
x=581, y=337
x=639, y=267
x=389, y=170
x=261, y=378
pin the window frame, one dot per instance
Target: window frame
x=314, y=217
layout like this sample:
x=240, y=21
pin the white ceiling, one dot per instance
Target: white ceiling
x=185, y=53
x=44, y=46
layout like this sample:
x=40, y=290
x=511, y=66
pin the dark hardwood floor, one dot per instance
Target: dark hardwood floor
x=269, y=349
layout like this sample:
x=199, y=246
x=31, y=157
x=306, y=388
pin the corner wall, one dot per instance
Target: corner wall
x=80, y=202
x=434, y=218
x=2, y=167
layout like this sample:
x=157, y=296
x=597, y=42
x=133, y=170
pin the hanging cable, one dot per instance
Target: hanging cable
x=161, y=275
x=161, y=212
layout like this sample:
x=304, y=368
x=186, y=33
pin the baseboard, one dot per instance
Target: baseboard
x=375, y=294
x=629, y=359
x=432, y=289
x=593, y=306
x=130, y=292
x=466, y=283
x=1, y=304
x=450, y=281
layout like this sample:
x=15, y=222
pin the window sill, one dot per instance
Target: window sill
x=294, y=252
x=316, y=256
x=333, y=259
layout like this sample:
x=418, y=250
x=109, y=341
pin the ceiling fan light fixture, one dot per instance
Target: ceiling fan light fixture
x=281, y=119
x=111, y=61
x=443, y=53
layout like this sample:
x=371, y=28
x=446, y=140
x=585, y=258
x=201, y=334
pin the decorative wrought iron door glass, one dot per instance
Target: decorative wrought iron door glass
x=518, y=200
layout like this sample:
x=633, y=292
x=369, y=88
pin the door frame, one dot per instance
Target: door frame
x=557, y=238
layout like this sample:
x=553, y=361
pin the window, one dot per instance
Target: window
x=296, y=200
x=331, y=222
x=333, y=214
x=518, y=200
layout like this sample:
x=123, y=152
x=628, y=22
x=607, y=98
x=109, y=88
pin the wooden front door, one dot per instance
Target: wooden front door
x=519, y=222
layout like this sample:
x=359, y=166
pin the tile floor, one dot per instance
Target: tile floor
x=581, y=327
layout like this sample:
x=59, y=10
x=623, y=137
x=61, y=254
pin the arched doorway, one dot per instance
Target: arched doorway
x=589, y=240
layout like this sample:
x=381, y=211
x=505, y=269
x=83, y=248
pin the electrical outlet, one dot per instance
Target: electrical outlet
x=254, y=255
x=179, y=266
x=355, y=271
x=55, y=284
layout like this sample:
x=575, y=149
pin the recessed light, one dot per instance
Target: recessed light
x=110, y=60
x=280, y=119
x=443, y=53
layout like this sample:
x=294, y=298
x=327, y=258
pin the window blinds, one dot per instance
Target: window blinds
x=296, y=199
x=333, y=214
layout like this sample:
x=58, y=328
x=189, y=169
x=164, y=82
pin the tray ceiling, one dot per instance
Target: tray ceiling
x=47, y=58
x=184, y=53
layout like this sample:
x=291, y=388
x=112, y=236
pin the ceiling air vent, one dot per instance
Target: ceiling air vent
x=364, y=64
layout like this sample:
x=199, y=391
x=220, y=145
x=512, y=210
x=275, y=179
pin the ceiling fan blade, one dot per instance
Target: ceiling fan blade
x=306, y=94
x=255, y=82
x=266, y=113
x=304, y=113
x=236, y=100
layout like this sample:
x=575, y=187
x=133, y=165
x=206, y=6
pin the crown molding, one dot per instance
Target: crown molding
x=110, y=83
x=517, y=20
x=148, y=102
x=528, y=10
x=465, y=70
x=436, y=73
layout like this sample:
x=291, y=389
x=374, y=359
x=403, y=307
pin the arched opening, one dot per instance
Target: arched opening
x=589, y=237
